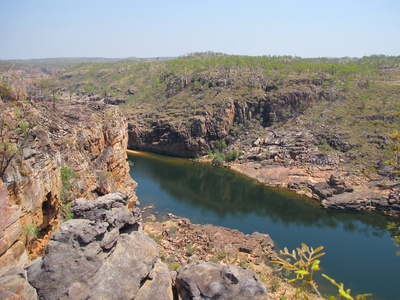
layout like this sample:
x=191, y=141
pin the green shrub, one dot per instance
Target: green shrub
x=172, y=230
x=190, y=249
x=31, y=231
x=218, y=159
x=220, y=145
x=233, y=155
x=221, y=255
x=324, y=147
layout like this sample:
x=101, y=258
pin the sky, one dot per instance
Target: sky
x=159, y=28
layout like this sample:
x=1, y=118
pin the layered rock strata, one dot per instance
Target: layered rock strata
x=88, y=139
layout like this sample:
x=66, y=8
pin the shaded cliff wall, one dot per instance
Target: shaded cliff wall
x=90, y=139
x=196, y=134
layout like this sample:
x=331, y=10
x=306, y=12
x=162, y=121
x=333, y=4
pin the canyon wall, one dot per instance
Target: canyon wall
x=44, y=141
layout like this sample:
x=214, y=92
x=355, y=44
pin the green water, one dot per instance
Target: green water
x=359, y=250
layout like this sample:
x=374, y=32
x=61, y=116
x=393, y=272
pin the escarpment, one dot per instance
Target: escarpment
x=195, y=133
x=55, y=152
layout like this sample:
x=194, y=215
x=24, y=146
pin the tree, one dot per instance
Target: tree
x=49, y=87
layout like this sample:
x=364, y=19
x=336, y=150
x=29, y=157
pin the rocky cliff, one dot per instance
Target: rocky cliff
x=40, y=143
x=324, y=116
x=196, y=134
x=103, y=253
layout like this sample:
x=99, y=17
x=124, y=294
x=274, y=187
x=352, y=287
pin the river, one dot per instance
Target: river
x=359, y=250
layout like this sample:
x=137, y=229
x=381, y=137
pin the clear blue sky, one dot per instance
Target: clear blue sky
x=150, y=28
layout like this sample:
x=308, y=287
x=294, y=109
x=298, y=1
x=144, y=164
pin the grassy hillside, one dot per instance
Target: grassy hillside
x=350, y=104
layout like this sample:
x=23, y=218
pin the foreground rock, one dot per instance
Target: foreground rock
x=14, y=285
x=206, y=280
x=179, y=239
x=102, y=255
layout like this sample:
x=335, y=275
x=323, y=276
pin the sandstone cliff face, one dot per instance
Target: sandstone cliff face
x=185, y=138
x=89, y=139
x=194, y=134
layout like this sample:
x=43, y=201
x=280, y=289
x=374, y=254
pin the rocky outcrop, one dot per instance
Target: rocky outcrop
x=186, y=138
x=14, y=284
x=206, y=280
x=180, y=239
x=89, y=139
x=103, y=254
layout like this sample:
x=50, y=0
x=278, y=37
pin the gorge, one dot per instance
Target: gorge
x=318, y=127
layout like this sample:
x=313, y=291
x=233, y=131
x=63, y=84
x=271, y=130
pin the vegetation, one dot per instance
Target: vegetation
x=394, y=228
x=349, y=103
x=31, y=232
x=394, y=151
x=67, y=180
x=305, y=264
x=14, y=134
x=218, y=159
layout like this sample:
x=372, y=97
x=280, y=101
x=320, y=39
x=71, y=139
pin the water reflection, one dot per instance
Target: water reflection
x=359, y=249
x=227, y=193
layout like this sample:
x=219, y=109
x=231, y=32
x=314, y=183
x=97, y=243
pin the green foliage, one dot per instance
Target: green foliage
x=345, y=294
x=65, y=211
x=31, y=232
x=220, y=145
x=175, y=267
x=324, y=147
x=394, y=228
x=172, y=230
x=5, y=92
x=190, y=249
x=67, y=174
x=233, y=155
x=221, y=255
x=67, y=180
x=304, y=265
x=351, y=95
x=218, y=159
x=394, y=151
x=14, y=134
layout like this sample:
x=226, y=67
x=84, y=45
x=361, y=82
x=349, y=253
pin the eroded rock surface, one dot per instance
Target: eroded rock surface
x=207, y=280
x=14, y=284
x=102, y=255
x=179, y=239
x=88, y=138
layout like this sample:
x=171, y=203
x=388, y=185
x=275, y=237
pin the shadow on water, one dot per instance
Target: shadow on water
x=227, y=193
x=207, y=194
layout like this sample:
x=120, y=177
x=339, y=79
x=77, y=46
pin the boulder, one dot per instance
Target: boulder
x=158, y=286
x=103, y=255
x=206, y=280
